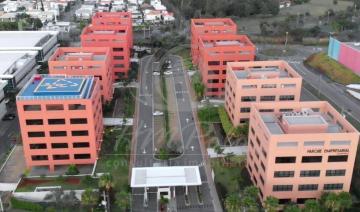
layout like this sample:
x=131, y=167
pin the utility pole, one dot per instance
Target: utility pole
x=286, y=40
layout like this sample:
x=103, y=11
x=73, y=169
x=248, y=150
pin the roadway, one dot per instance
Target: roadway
x=144, y=147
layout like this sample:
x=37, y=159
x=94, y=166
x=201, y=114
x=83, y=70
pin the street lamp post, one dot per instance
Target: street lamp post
x=286, y=40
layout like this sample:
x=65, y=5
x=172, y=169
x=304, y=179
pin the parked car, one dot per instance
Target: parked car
x=8, y=117
x=158, y=113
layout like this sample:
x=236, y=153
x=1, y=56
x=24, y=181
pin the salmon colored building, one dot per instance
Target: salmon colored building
x=94, y=61
x=215, y=52
x=60, y=120
x=214, y=26
x=114, y=18
x=117, y=37
x=258, y=81
x=298, y=150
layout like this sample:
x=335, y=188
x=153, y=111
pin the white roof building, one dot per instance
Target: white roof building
x=43, y=42
x=85, y=11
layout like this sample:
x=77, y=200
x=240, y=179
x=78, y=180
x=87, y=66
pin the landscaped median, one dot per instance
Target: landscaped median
x=332, y=69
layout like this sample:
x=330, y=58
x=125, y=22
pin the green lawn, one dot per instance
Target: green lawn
x=332, y=69
x=230, y=179
x=114, y=156
x=66, y=183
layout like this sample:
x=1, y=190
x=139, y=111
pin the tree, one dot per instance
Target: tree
x=122, y=200
x=312, y=206
x=249, y=199
x=218, y=149
x=89, y=198
x=72, y=170
x=106, y=181
x=292, y=208
x=271, y=204
x=344, y=199
x=232, y=203
x=330, y=201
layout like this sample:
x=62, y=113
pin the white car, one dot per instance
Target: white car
x=168, y=72
x=156, y=73
x=158, y=113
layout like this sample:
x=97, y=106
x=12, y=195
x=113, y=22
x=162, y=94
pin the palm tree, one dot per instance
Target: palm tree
x=312, y=205
x=249, y=199
x=271, y=204
x=292, y=208
x=123, y=200
x=331, y=201
x=89, y=198
x=344, y=199
x=106, y=182
x=232, y=203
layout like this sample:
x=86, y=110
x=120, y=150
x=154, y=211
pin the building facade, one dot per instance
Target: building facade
x=258, y=81
x=106, y=32
x=94, y=61
x=346, y=53
x=298, y=150
x=60, y=120
x=214, y=26
x=215, y=52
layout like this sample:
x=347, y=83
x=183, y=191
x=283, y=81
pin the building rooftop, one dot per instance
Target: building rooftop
x=24, y=39
x=106, y=30
x=213, y=22
x=11, y=61
x=55, y=87
x=81, y=56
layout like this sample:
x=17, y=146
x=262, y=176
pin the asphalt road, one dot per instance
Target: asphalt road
x=9, y=131
x=144, y=138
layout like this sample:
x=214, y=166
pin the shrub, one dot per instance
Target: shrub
x=24, y=205
x=72, y=170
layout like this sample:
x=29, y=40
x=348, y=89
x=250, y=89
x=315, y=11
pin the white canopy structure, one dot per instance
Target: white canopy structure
x=165, y=176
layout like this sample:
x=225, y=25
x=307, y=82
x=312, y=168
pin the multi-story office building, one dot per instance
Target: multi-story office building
x=258, y=81
x=61, y=120
x=210, y=26
x=215, y=52
x=95, y=61
x=297, y=150
x=114, y=18
x=116, y=36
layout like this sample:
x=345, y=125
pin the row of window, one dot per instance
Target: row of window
x=54, y=107
x=58, y=133
x=310, y=173
x=60, y=145
x=268, y=86
x=212, y=81
x=59, y=157
x=55, y=121
x=312, y=159
x=308, y=187
x=312, y=143
x=268, y=98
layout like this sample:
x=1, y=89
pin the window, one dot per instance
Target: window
x=118, y=49
x=80, y=133
x=81, y=144
x=288, y=85
x=310, y=173
x=284, y=201
x=248, y=98
x=54, y=107
x=267, y=98
x=340, y=143
x=36, y=134
x=37, y=146
x=32, y=108
x=282, y=187
x=314, y=143
x=268, y=86
x=77, y=107
x=335, y=172
x=39, y=157
x=337, y=158
x=303, y=200
x=285, y=159
x=59, y=145
x=119, y=66
x=34, y=122
x=56, y=121
x=279, y=174
x=212, y=89
x=263, y=152
x=57, y=133
x=308, y=187
x=245, y=110
x=266, y=110
x=287, y=98
x=262, y=166
x=243, y=121
x=78, y=121
x=287, y=144
x=249, y=86
x=118, y=57
x=213, y=72
x=335, y=186
x=252, y=130
x=214, y=63
x=251, y=143
x=213, y=81
x=258, y=141
x=82, y=156
x=286, y=110
x=61, y=157
x=262, y=180
x=311, y=159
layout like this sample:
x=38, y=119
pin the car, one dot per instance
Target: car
x=8, y=117
x=158, y=113
x=168, y=72
x=156, y=73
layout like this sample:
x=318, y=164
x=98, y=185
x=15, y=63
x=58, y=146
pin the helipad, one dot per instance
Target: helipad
x=56, y=86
